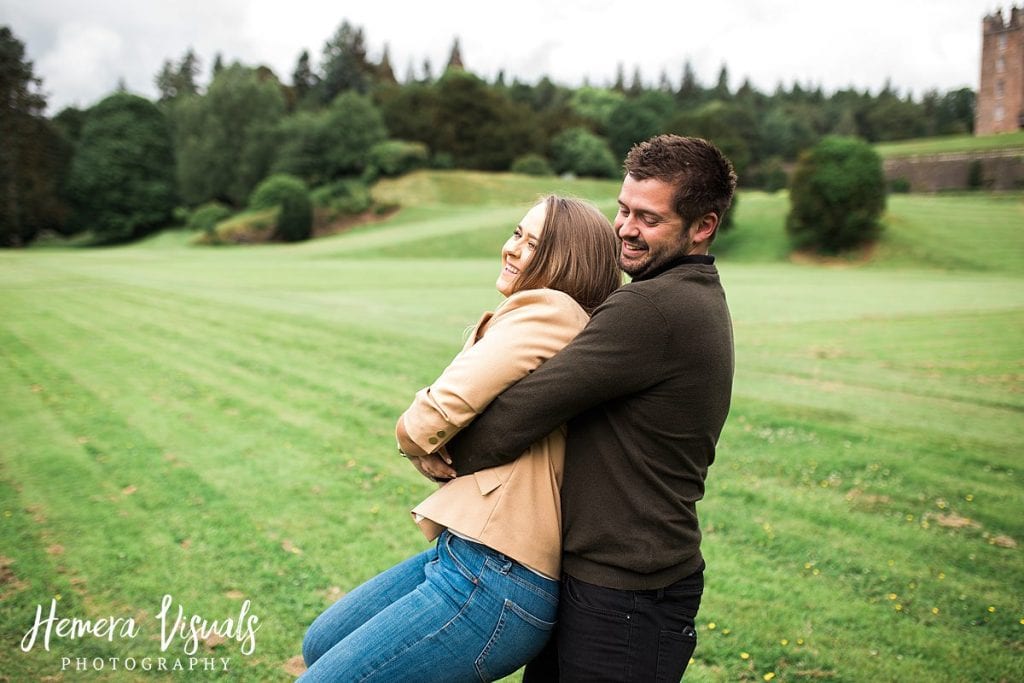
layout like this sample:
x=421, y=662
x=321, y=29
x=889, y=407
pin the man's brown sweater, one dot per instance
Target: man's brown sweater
x=645, y=390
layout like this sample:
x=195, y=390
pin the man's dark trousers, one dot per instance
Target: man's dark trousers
x=605, y=634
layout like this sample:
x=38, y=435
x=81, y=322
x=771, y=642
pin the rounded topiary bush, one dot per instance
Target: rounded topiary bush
x=295, y=221
x=295, y=218
x=837, y=196
x=207, y=216
x=273, y=191
x=532, y=164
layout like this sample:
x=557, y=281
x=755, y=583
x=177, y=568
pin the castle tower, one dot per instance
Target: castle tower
x=1000, y=106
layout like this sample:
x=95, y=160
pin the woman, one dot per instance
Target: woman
x=482, y=601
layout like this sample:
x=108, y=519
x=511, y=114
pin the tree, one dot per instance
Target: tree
x=690, y=90
x=121, y=181
x=596, y=105
x=410, y=111
x=332, y=143
x=33, y=156
x=455, y=57
x=344, y=64
x=579, y=151
x=384, y=73
x=303, y=78
x=837, y=196
x=177, y=81
x=721, y=90
x=636, y=119
x=225, y=139
x=479, y=126
x=731, y=127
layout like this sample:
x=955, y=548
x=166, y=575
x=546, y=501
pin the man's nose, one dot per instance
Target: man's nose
x=627, y=228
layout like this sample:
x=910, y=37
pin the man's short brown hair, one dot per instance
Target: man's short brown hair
x=703, y=177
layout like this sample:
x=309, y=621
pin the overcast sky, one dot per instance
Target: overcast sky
x=82, y=48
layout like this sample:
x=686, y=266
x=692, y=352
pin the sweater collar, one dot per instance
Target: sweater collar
x=689, y=259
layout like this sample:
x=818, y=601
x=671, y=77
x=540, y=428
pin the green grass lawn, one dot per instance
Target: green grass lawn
x=952, y=144
x=216, y=424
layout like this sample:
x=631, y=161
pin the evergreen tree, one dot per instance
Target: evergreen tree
x=721, y=90
x=385, y=74
x=344, y=65
x=690, y=91
x=31, y=154
x=303, y=78
x=637, y=87
x=177, y=81
x=455, y=57
x=620, y=79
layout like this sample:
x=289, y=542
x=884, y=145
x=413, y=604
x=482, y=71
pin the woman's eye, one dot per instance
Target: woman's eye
x=532, y=245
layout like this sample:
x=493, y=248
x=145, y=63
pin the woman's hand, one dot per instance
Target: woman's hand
x=433, y=467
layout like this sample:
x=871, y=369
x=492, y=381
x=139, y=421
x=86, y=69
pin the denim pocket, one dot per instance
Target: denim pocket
x=517, y=638
x=674, y=652
x=463, y=566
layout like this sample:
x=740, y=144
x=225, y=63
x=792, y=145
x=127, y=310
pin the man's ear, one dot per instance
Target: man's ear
x=704, y=229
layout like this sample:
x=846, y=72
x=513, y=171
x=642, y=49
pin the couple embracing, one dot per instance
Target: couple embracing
x=572, y=437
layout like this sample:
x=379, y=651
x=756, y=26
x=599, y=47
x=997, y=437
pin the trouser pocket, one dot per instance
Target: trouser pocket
x=517, y=638
x=674, y=653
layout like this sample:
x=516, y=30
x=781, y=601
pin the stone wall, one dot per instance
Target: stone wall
x=996, y=170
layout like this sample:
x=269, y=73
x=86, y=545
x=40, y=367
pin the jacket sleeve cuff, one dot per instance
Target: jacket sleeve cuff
x=427, y=424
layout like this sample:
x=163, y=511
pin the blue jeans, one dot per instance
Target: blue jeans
x=459, y=611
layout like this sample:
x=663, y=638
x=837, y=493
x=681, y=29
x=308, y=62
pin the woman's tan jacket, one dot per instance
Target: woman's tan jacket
x=514, y=508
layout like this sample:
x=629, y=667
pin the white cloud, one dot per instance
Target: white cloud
x=81, y=49
x=83, y=61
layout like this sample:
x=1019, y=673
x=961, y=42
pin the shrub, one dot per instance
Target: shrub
x=343, y=197
x=532, y=164
x=899, y=184
x=975, y=175
x=295, y=221
x=207, y=216
x=396, y=157
x=769, y=175
x=247, y=227
x=273, y=191
x=837, y=196
x=579, y=151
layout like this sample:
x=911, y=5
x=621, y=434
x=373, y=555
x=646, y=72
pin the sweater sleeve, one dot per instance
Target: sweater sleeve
x=619, y=353
x=527, y=329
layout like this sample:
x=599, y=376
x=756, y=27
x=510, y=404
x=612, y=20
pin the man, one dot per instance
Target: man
x=645, y=390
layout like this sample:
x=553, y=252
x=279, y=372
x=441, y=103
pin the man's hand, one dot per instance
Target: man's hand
x=433, y=467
